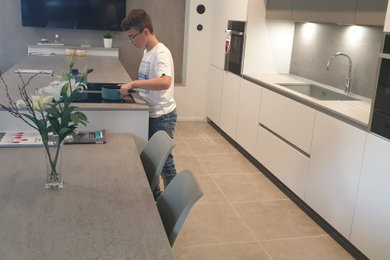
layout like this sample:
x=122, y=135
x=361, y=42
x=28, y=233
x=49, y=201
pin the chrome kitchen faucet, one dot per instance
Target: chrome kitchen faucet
x=348, y=80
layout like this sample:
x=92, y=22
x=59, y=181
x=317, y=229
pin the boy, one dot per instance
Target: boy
x=155, y=81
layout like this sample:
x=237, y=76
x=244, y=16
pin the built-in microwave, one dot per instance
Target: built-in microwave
x=380, y=118
x=234, y=48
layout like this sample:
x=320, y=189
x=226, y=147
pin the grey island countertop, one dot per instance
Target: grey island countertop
x=106, y=209
x=105, y=70
x=354, y=112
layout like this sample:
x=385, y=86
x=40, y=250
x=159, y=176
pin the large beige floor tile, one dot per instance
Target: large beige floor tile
x=248, y=187
x=189, y=162
x=226, y=163
x=182, y=147
x=239, y=251
x=319, y=248
x=277, y=219
x=212, y=224
x=211, y=193
x=206, y=145
x=196, y=129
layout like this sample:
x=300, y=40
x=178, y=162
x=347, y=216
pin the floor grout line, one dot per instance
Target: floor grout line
x=242, y=220
x=292, y=238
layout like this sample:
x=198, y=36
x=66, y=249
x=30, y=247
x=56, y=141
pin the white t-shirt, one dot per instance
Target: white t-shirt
x=157, y=63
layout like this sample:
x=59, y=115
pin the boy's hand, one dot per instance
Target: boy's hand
x=126, y=87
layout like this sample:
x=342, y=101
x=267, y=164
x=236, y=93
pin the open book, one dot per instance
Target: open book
x=20, y=139
x=87, y=137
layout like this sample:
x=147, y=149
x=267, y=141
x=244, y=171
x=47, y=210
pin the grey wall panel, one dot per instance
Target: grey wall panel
x=315, y=43
x=168, y=18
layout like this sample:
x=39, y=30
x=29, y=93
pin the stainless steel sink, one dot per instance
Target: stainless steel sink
x=316, y=92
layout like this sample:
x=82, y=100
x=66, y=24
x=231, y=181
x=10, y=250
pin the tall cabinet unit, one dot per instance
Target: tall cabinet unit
x=335, y=162
x=219, y=10
x=371, y=229
x=237, y=9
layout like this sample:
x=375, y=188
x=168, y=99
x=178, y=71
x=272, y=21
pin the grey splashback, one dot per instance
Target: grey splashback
x=315, y=43
x=168, y=19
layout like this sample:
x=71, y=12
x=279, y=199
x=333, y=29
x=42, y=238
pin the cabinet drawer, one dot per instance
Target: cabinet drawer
x=290, y=119
x=288, y=164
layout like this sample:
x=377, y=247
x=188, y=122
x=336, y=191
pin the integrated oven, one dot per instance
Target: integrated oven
x=234, y=48
x=380, y=120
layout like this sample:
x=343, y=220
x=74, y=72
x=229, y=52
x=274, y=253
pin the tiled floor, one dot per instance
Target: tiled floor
x=242, y=215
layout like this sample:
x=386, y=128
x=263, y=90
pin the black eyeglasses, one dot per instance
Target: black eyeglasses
x=132, y=37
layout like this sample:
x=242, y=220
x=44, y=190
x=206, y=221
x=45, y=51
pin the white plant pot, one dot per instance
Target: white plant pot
x=107, y=43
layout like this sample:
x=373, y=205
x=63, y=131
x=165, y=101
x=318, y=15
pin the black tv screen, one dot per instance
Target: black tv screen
x=75, y=14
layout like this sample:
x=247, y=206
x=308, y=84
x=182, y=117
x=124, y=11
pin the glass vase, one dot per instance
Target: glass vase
x=53, y=163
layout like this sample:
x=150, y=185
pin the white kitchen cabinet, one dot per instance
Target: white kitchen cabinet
x=331, y=11
x=219, y=10
x=237, y=10
x=279, y=9
x=288, y=164
x=248, y=114
x=370, y=228
x=371, y=12
x=229, y=105
x=333, y=178
x=214, y=94
x=290, y=119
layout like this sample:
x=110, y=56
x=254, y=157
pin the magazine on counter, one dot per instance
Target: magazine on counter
x=20, y=139
x=87, y=137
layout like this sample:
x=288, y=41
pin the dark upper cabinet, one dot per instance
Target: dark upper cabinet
x=329, y=11
x=371, y=12
x=363, y=12
x=279, y=9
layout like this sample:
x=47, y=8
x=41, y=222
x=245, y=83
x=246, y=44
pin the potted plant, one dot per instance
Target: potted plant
x=50, y=112
x=107, y=39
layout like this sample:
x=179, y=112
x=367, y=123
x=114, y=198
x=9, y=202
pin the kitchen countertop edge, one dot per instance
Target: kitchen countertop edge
x=306, y=101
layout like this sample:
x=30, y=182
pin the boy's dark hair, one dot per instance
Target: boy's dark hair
x=138, y=19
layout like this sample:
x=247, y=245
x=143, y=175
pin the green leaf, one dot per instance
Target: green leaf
x=65, y=130
x=82, y=116
x=31, y=118
x=75, y=119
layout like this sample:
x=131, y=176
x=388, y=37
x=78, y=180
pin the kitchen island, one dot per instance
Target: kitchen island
x=106, y=209
x=114, y=117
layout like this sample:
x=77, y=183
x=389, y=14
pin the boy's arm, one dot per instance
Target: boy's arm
x=161, y=83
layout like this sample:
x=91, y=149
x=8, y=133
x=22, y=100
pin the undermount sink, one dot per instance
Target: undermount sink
x=316, y=92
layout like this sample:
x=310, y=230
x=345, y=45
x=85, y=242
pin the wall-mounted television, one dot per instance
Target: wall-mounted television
x=75, y=14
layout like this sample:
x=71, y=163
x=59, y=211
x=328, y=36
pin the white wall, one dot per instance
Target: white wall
x=191, y=104
x=268, y=49
x=268, y=43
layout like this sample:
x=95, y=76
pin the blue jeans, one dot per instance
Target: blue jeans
x=167, y=123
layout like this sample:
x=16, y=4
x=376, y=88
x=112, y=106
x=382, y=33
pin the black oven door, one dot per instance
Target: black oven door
x=233, y=58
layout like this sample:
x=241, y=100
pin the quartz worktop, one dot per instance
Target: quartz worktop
x=355, y=112
x=105, y=70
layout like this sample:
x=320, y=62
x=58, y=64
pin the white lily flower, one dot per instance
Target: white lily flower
x=40, y=102
x=54, y=90
x=20, y=104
